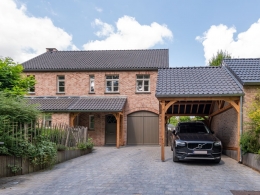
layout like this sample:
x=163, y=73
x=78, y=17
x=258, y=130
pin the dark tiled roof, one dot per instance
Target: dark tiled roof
x=196, y=82
x=99, y=60
x=82, y=104
x=246, y=70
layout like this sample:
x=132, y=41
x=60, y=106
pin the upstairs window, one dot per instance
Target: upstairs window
x=142, y=83
x=91, y=84
x=60, y=84
x=112, y=83
x=32, y=88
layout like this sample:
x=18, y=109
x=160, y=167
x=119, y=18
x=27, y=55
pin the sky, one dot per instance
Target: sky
x=192, y=30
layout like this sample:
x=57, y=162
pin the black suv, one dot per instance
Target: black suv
x=193, y=140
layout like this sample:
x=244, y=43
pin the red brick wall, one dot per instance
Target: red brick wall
x=77, y=84
x=250, y=93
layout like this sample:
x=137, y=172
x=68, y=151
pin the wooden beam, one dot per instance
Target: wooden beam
x=212, y=107
x=198, y=108
x=221, y=110
x=163, y=129
x=204, y=107
x=169, y=104
x=117, y=130
x=72, y=117
x=194, y=102
x=235, y=105
x=170, y=115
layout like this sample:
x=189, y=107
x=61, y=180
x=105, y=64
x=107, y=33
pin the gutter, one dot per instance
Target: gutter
x=241, y=125
x=68, y=111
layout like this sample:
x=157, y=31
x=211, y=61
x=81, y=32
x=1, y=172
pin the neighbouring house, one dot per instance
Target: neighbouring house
x=112, y=92
x=221, y=95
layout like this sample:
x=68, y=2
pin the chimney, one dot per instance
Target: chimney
x=51, y=49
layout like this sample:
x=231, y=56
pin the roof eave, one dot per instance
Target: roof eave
x=195, y=95
x=68, y=111
x=89, y=70
x=251, y=83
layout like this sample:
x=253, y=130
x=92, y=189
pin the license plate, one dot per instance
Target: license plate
x=199, y=152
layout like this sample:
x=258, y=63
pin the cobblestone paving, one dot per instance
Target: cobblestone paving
x=134, y=170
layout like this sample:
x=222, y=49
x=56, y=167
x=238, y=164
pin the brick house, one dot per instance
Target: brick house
x=110, y=92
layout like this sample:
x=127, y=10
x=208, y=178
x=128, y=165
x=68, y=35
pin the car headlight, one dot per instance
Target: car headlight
x=218, y=143
x=180, y=143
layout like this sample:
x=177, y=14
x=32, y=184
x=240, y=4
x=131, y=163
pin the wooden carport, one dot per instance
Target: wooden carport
x=193, y=91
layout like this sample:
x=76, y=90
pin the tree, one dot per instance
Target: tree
x=217, y=60
x=12, y=81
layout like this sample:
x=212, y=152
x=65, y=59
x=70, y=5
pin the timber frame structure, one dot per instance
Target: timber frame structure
x=200, y=104
x=198, y=91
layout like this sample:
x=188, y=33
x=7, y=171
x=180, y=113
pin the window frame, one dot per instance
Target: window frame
x=30, y=88
x=91, y=78
x=143, y=83
x=112, y=83
x=47, y=117
x=58, y=83
x=91, y=122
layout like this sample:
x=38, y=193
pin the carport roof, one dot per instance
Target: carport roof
x=197, y=82
x=79, y=104
x=247, y=71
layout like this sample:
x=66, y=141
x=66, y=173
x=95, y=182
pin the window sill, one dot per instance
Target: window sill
x=31, y=93
x=91, y=92
x=144, y=92
x=112, y=93
x=60, y=93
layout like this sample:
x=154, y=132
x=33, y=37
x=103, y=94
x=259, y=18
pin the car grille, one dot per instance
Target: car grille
x=204, y=146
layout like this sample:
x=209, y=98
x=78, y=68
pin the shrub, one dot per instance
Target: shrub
x=250, y=142
x=86, y=145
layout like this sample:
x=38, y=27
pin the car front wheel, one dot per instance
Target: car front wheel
x=175, y=159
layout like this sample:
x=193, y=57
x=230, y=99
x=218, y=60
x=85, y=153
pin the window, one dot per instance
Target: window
x=91, y=84
x=47, y=120
x=32, y=88
x=112, y=84
x=61, y=84
x=142, y=83
x=91, y=122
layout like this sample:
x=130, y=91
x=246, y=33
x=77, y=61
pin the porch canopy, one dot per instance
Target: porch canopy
x=193, y=91
x=77, y=104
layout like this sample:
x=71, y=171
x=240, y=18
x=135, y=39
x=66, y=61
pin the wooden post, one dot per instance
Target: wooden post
x=117, y=130
x=162, y=129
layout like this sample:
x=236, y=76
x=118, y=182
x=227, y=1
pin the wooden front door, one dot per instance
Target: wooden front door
x=110, y=137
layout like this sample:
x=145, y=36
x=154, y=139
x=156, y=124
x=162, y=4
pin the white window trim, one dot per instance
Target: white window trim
x=92, y=128
x=143, y=79
x=112, y=87
x=91, y=79
x=58, y=83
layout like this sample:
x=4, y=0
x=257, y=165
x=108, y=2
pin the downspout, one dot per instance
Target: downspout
x=241, y=124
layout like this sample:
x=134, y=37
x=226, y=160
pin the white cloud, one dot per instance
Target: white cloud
x=129, y=34
x=245, y=45
x=23, y=36
x=98, y=9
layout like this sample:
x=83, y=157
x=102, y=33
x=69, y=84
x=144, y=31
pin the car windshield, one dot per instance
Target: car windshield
x=193, y=128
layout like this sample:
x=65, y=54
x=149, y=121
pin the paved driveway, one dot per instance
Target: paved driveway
x=134, y=170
